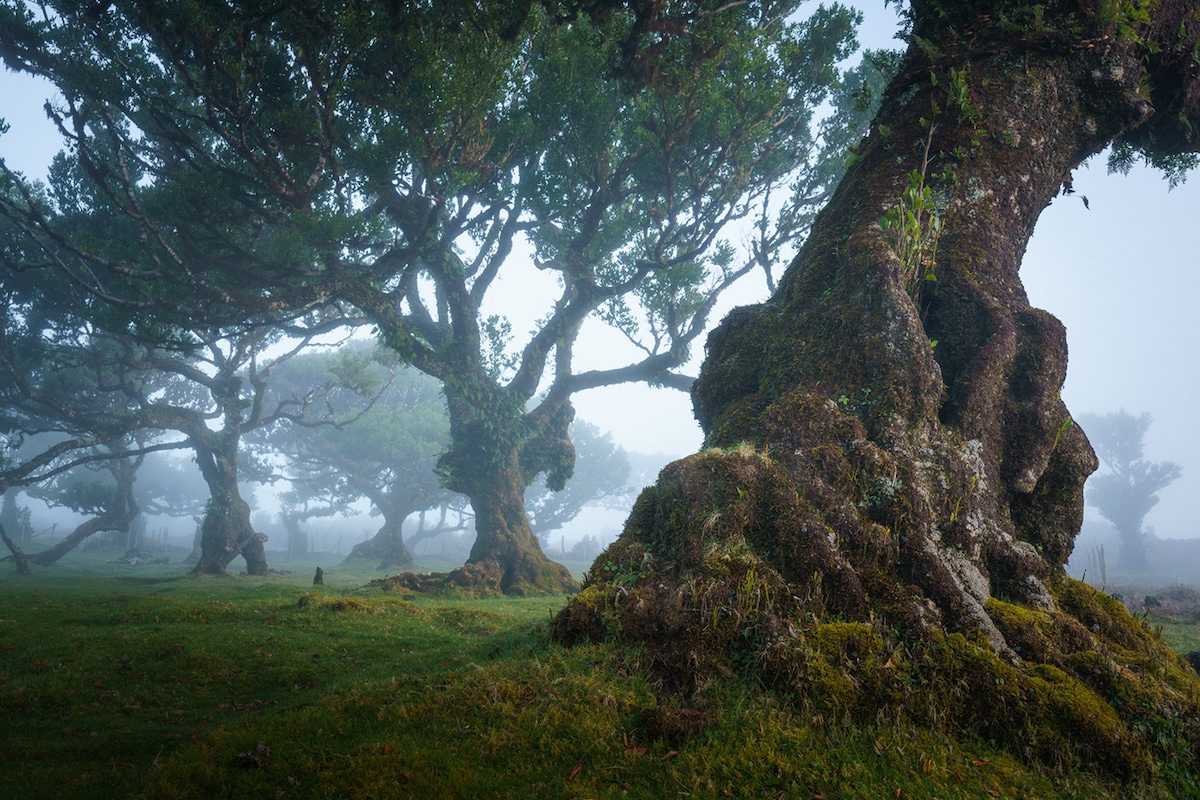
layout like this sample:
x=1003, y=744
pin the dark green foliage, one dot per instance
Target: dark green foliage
x=230, y=163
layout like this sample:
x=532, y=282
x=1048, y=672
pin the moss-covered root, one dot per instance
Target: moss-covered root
x=723, y=568
x=1130, y=711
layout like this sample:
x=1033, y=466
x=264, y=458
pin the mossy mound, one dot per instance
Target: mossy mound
x=725, y=569
x=482, y=579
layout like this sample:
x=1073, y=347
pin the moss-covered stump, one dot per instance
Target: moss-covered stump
x=723, y=569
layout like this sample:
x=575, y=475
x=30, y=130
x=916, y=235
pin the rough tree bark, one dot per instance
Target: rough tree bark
x=226, y=531
x=492, y=460
x=893, y=485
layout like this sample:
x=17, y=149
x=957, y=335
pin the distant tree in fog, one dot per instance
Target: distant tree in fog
x=102, y=491
x=387, y=451
x=1127, y=488
x=383, y=448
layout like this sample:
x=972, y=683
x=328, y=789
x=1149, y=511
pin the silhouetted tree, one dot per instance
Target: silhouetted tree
x=382, y=447
x=1126, y=491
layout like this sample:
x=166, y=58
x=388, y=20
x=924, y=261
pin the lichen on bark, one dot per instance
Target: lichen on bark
x=893, y=485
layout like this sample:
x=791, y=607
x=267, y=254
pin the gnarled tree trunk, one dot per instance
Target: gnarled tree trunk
x=506, y=555
x=226, y=531
x=497, y=450
x=894, y=479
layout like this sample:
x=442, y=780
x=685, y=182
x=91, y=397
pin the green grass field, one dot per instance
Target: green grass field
x=145, y=683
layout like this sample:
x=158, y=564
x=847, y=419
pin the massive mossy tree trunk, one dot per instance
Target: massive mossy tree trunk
x=894, y=485
x=226, y=531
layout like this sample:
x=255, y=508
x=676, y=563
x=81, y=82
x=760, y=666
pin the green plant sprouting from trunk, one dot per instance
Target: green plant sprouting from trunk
x=914, y=225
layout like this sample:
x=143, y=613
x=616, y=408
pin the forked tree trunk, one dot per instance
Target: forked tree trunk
x=226, y=531
x=894, y=478
x=506, y=554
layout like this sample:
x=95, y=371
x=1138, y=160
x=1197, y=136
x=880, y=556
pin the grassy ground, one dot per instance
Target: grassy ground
x=142, y=683
x=1182, y=636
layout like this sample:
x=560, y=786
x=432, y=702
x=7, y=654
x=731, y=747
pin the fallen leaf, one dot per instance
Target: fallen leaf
x=979, y=762
x=574, y=771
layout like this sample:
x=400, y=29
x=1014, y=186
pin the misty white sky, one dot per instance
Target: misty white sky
x=1122, y=276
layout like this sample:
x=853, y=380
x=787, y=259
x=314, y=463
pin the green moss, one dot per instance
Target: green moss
x=1028, y=631
x=1102, y=614
x=590, y=617
x=1074, y=725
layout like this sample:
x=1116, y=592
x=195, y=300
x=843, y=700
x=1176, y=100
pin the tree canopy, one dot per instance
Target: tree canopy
x=248, y=159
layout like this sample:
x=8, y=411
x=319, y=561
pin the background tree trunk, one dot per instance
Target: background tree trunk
x=893, y=470
x=17, y=555
x=108, y=522
x=226, y=531
x=387, y=545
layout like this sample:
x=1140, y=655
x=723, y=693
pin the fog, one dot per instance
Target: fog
x=1118, y=270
